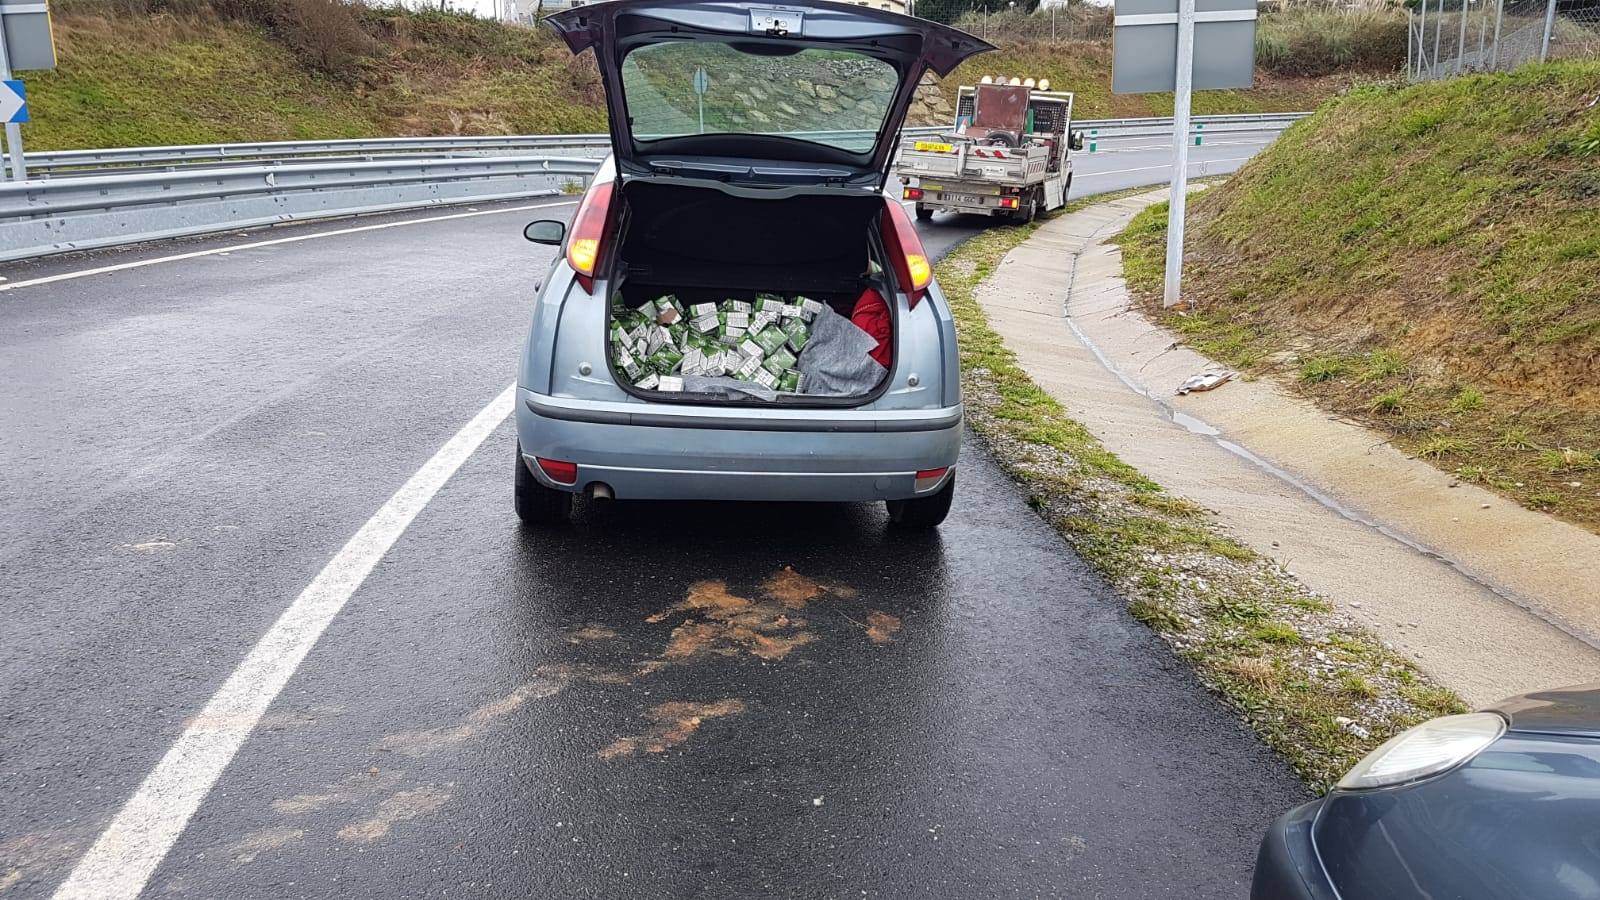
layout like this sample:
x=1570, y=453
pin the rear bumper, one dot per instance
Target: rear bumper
x=1287, y=866
x=657, y=452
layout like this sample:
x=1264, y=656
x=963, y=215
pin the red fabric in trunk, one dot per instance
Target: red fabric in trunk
x=871, y=314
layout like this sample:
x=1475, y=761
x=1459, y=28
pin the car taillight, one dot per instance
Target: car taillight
x=905, y=251
x=1008, y=202
x=927, y=479
x=558, y=471
x=912, y=193
x=588, y=229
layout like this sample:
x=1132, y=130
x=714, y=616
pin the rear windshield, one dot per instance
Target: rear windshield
x=831, y=97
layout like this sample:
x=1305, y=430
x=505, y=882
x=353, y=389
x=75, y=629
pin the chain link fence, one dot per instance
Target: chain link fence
x=1056, y=23
x=1446, y=38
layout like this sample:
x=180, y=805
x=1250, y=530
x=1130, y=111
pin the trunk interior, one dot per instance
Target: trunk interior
x=701, y=245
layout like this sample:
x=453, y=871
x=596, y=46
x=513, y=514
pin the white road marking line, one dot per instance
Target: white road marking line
x=176, y=257
x=1165, y=165
x=144, y=830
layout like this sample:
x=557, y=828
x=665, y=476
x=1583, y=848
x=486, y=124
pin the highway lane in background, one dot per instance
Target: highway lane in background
x=193, y=441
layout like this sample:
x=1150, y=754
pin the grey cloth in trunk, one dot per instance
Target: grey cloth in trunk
x=836, y=361
x=731, y=388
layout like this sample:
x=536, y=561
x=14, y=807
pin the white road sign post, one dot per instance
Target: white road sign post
x=1174, y=45
x=25, y=43
x=701, y=82
x=1178, y=201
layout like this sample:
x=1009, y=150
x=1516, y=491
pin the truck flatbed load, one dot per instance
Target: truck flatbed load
x=1007, y=155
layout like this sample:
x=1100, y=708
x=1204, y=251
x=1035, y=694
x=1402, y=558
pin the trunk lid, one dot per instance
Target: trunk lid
x=794, y=94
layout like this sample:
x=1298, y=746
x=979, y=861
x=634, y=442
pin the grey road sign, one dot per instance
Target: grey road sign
x=26, y=26
x=1145, y=43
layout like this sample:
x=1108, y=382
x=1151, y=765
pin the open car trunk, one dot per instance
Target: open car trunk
x=748, y=278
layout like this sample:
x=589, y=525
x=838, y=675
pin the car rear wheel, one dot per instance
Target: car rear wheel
x=924, y=213
x=535, y=503
x=923, y=512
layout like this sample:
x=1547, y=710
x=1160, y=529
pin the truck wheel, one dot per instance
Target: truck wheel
x=924, y=213
x=923, y=512
x=536, y=504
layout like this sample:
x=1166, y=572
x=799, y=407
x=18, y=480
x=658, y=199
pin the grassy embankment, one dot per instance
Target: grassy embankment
x=127, y=79
x=1425, y=260
x=146, y=72
x=1314, y=685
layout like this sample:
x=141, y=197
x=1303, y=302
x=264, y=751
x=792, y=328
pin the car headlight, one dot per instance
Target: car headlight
x=1428, y=749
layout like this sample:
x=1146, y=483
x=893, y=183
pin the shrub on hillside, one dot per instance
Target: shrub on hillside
x=325, y=34
x=1307, y=41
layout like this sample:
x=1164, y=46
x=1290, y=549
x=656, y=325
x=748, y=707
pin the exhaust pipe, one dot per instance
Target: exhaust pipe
x=600, y=491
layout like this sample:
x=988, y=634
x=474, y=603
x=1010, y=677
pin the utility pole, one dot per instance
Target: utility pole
x=1178, y=202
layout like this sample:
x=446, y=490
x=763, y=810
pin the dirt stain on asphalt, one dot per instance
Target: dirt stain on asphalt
x=32, y=855
x=881, y=627
x=729, y=624
x=791, y=588
x=401, y=807
x=423, y=743
x=591, y=632
x=255, y=843
x=584, y=672
x=672, y=723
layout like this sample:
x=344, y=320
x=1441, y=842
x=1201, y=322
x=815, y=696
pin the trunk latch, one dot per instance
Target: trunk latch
x=776, y=21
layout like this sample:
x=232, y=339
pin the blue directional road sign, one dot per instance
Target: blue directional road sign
x=13, y=102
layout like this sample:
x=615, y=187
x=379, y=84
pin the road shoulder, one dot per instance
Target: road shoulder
x=1355, y=520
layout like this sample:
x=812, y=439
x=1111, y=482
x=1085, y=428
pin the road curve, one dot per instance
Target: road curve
x=493, y=713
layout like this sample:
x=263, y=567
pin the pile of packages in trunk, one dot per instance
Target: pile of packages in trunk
x=657, y=344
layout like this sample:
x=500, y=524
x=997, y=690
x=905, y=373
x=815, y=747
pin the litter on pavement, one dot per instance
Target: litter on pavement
x=1206, y=381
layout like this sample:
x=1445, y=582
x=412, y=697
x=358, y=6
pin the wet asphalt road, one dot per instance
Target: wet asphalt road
x=498, y=713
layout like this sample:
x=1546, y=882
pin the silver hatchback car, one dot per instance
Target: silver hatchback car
x=750, y=147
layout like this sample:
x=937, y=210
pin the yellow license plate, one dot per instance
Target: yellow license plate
x=934, y=147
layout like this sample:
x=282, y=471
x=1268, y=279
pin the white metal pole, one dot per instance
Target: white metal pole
x=19, y=167
x=1438, y=31
x=1411, y=34
x=1422, y=36
x=1494, y=52
x=1180, y=153
x=1461, y=39
x=1549, y=26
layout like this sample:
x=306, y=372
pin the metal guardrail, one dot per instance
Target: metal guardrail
x=57, y=215
x=149, y=193
x=78, y=163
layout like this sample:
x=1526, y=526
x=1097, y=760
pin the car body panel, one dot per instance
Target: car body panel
x=910, y=45
x=1572, y=710
x=643, y=462
x=1521, y=819
x=572, y=408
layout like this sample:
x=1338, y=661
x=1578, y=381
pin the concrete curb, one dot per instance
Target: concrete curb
x=1492, y=607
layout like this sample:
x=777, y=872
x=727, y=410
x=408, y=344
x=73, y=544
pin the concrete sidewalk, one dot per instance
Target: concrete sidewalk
x=1489, y=598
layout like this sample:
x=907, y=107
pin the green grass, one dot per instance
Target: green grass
x=157, y=78
x=1252, y=634
x=1413, y=255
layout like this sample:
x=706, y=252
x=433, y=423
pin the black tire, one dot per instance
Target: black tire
x=923, y=512
x=536, y=504
x=924, y=213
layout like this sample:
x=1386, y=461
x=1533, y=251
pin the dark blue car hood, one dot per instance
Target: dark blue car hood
x=1519, y=821
x=1573, y=710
